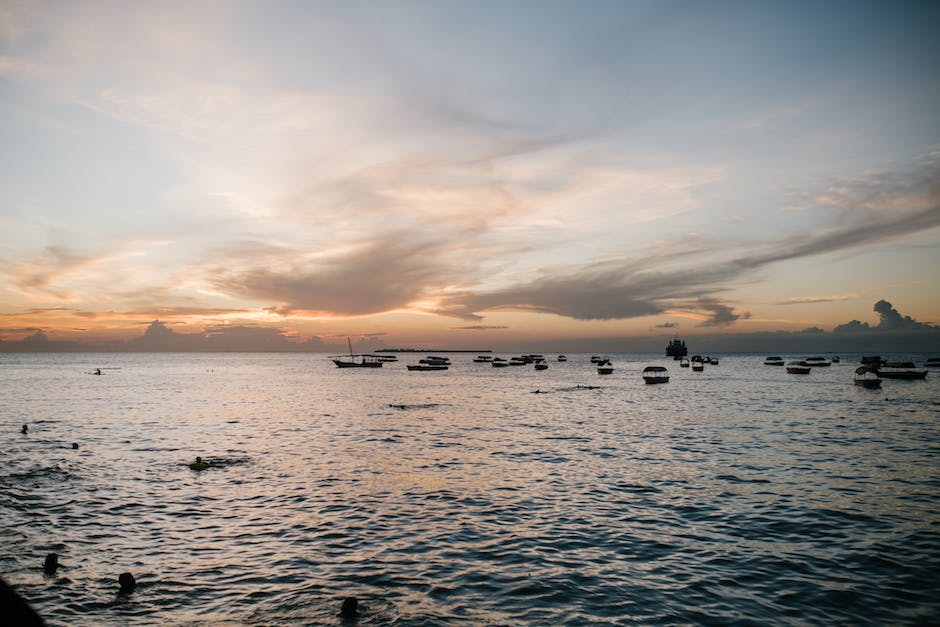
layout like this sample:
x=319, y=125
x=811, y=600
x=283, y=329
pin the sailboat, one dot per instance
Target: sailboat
x=356, y=361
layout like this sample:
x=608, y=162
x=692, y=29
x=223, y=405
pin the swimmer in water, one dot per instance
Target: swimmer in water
x=25, y=429
x=97, y=370
x=198, y=464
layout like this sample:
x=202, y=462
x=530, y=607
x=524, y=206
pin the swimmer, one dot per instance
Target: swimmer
x=97, y=371
x=127, y=583
x=198, y=464
x=25, y=429
x=74, y=446
x=51, y=564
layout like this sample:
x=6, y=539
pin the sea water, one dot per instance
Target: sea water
x=476, y=495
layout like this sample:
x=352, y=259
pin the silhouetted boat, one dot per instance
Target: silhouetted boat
x=596, y=360
x=798, y=367
x=541, y=366
x=422, y=367
x=605, y=367
x=899, y=370
x=698, y=366
x=499, y=362
x=676, y=348
x=774, y=361
x=872, y=360
x=655, y=374
x=483, y=359
x=867, y=377
x=818, y=362
x=355, y=361
x=684, y=363
x=933, y=362
x=563, y=358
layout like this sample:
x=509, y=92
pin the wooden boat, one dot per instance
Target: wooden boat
x=900, y=370
x=798, y=367
x=423, y=367
x=697, y=364
x=867, y=377
x=563, y=358
x=605, y=367
x=655, y=374
x=818, y=362
x=774, y=360
x=541, y=366
x=355, y=361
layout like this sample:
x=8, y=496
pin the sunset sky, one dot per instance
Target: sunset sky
x=469, y=174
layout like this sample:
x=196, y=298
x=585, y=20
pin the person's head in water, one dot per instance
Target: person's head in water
x=25, y=429
x=51, y=563
x=127, y=582
x=74, y=445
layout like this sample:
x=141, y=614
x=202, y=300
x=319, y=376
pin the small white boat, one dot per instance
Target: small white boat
x=563, y=358
x=605, y=367
x=900, y=370
x=684, y=363
x=655, y=374
x=867, y=377
x=774, y=360
x=798, y=367
x=698, y=366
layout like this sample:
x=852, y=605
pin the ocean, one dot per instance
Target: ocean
x=474, y=496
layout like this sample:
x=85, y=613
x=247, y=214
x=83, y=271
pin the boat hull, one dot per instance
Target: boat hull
x=653, y=380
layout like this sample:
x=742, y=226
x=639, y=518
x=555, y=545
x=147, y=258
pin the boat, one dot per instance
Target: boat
x=596, y=360
x=818, y=362
x=774, y=360
x=835, y=359
x=563, y=358
x=483, y=359
x=872, y=360
x=684, y=363
x=499, y=362
x=605, y=367
x=655, y=374
x=676, y=348
x=866, y=377
x=518, y=361
x=355, y=361
x=386, y=358
x=433, y=359
x=899, y=370
x=713, y=361
x=698, y=366
x=541, y=366
x=798, y=367
x=422, y=367
x=933, y=362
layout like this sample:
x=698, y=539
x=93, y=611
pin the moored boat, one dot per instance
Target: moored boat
x=562, y=358
x=684, y=363
x=483, y=359
x=655, y=374
x=798, y=367
x=774, y=360
x=933, y=362
x=355, y=361
x=605, y=367
x=818, y=362
x=866, y=377
x=541, y=366
x=900, y=370
x=423, y=367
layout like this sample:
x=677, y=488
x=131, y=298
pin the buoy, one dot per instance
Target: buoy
x=127, y=581
x=198, y=464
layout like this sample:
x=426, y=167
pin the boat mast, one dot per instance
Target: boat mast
x=350, y=346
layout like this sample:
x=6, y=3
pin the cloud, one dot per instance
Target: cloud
x=890, y=319
x=650, y=285
x=667, y=325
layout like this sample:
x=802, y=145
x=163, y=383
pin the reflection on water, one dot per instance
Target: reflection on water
x=739, y=494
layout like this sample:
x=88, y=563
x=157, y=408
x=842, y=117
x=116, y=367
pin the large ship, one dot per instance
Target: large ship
x=676, y=348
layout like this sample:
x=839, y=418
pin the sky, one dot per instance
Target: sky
x=531, y=174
